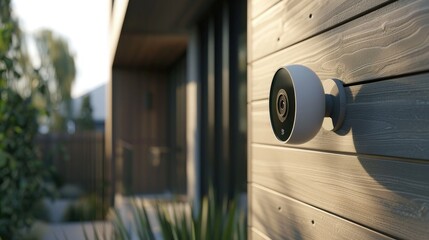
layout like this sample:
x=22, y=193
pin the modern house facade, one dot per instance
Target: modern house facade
x=177, y=98
x=188, y=108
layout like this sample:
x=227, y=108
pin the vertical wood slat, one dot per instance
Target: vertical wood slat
x=202, y=108
x=176, y=155
x=207, y=96
x=141, y=123
x=78, y=163
x=225, y=104
x=219, y=161
x=193, y=120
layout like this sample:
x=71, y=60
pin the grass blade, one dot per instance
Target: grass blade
x=95, y=232
x=85, y=234
x=230, y=224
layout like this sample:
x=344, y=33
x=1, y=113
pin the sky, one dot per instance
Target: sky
x=83, y=23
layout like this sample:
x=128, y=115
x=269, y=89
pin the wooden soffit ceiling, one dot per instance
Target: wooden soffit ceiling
x=154, y=32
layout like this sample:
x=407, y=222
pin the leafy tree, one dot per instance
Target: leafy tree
x=85, y=120
x=22, y=175
x=58, y=68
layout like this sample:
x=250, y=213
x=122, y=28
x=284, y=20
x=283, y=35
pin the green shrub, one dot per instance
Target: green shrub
x=87, y=208
x=22, y=176
x=212, y=221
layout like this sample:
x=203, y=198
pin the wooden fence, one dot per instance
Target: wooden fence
x=78, y=158
x=140, y=168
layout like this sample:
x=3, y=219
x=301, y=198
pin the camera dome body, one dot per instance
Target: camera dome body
x=296, y=103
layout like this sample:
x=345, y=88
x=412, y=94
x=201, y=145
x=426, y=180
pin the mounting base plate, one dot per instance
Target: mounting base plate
x=335, y=104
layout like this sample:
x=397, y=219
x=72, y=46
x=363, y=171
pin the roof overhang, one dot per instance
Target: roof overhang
x=152, y=34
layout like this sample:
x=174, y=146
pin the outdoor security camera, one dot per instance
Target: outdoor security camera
x=299, y=104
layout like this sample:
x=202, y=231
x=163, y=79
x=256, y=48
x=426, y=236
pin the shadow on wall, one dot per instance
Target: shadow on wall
x=388, y=193
x=391, y=118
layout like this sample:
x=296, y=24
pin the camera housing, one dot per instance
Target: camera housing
x=299, y=103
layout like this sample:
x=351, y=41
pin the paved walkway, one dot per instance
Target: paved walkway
x=72, y=231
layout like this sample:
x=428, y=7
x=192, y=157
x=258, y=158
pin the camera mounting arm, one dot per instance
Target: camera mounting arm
x=335, y=104
x=299, y=104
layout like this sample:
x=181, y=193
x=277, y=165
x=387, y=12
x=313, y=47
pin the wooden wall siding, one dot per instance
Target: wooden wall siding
x=291, y=219
x=259, y=6
x=378, y=192
x=140, y=128
x=384, y=118
x=255, y=234
x=289, y=22
x=369, y=180
x=387, y=42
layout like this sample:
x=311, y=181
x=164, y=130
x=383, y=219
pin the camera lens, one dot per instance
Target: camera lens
x=282, y=105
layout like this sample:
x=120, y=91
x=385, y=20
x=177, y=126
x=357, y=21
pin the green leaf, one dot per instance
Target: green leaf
x=3, y=158
x=230, y=224
x=97, y=237
x=16, y=74
x=141, y=219
x=8, y=62
x=85, y=234
x=18, y=129
x=119, y=226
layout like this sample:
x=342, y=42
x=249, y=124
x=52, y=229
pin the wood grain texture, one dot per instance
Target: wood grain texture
x=259, y=6
x=388, y=117
x=386, y=195
x=255, y=234
x=390, y=41
x=149, y=51
x=280, y=217
x=138, y=128
x=289, y=22
x=249, y=84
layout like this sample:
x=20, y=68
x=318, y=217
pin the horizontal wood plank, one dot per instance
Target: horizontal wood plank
x=386, y=195
x=390, y=41
x=289, y=22
x=280, y=217
x=384, y=118
x=255, y=234
x=259, y=6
